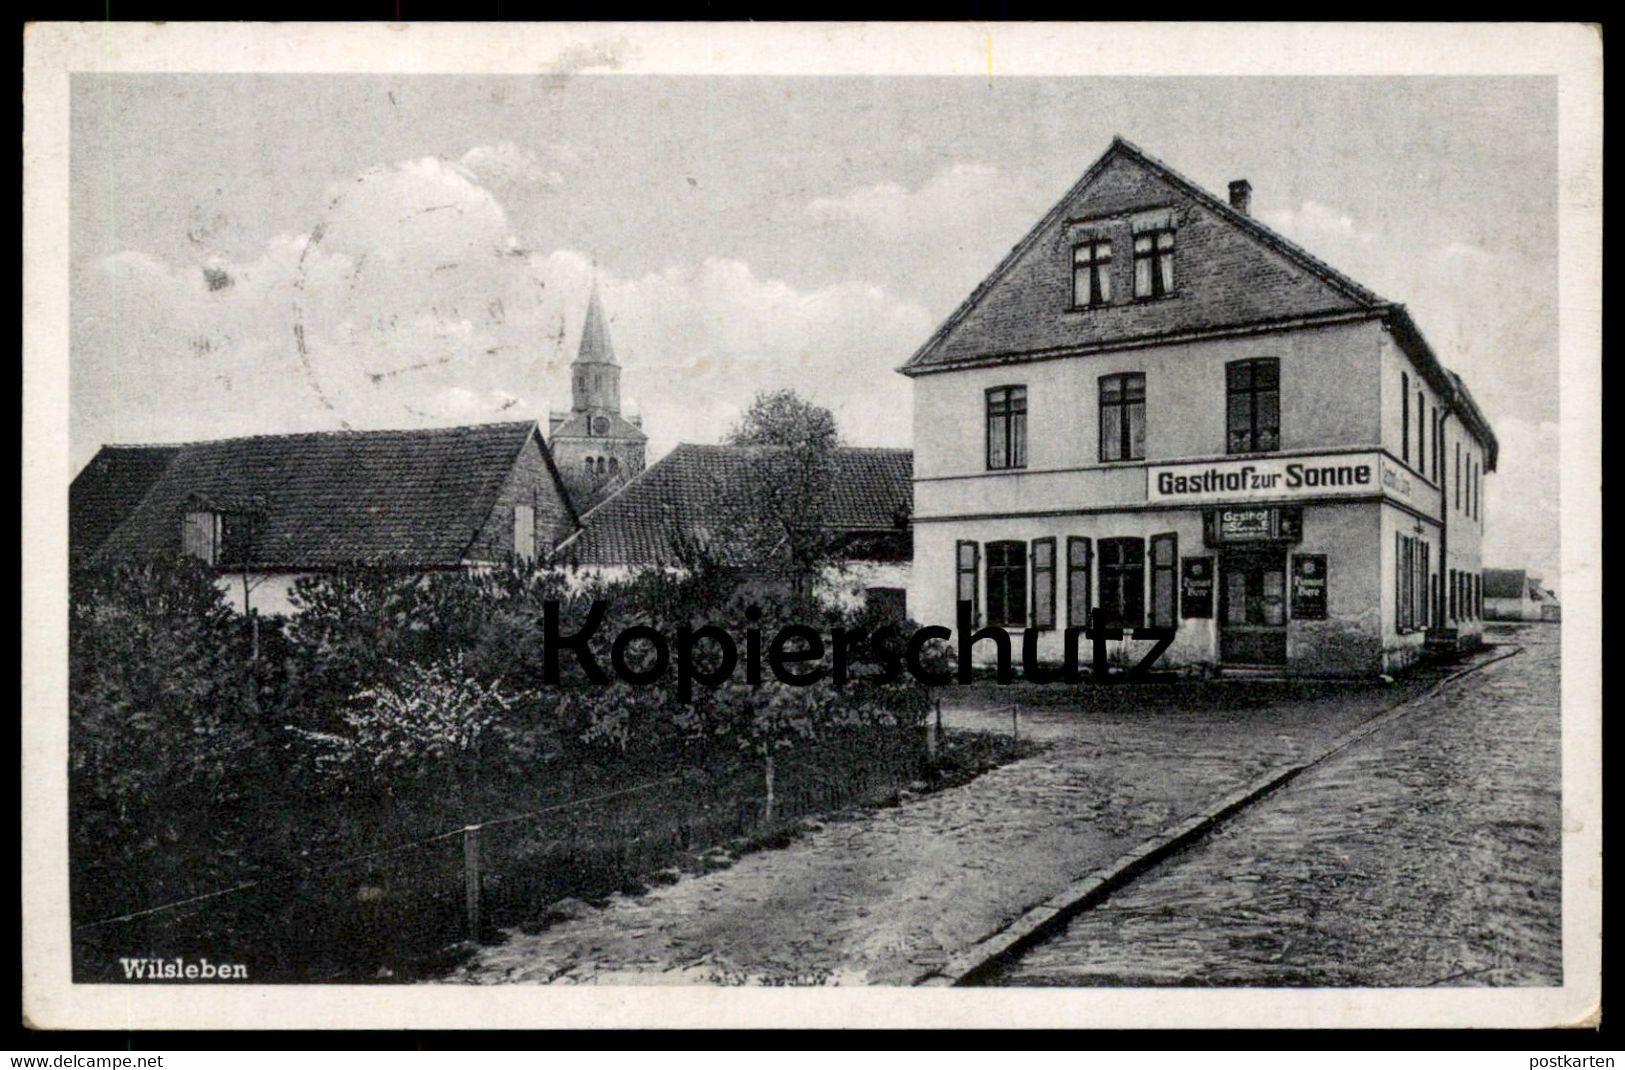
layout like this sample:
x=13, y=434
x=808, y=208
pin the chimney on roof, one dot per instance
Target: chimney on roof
x=1241, y=195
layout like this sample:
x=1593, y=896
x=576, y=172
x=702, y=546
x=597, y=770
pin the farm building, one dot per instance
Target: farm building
x=673, y=509
x=268, y=509
x=1513, y=594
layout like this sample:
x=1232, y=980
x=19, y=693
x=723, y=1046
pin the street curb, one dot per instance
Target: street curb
x=1053, y=913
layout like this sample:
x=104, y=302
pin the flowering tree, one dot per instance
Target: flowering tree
x=431, y=727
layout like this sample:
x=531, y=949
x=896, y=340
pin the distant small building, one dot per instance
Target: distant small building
x=1513, y=594
x=663, y=515
x=273, y=508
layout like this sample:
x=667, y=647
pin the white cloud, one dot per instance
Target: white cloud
x=936, y=241
x=1312, y=223
x=507, y=164
x=412, y=304
x=888, y=209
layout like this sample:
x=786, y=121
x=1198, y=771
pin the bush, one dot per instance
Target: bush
x=163, y=724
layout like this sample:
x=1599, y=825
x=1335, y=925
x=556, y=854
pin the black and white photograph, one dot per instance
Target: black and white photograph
x=955, y=524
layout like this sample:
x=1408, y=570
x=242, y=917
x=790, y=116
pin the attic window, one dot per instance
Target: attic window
x=200, y=537
x=1091, y=273
x=216, y=538
x=1154, y=262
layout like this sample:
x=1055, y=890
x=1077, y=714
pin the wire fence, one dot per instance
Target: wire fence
x=398, y=911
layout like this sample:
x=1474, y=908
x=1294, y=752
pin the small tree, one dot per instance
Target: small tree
x=776, y=516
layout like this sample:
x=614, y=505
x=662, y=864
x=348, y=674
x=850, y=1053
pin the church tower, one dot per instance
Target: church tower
x=596, y=447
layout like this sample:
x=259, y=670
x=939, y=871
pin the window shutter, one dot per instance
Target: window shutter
x=524, y=532
x=1043, y=570
x=1078, y=561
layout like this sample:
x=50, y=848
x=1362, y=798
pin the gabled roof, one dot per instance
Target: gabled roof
x=329, y=499
x=672, y=503
x=109, y=489
x=1245, y=274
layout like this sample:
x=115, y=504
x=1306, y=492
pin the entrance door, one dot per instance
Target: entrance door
x=1252, y=608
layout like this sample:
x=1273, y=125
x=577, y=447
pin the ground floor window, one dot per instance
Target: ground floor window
x=888, y=604
x=1007, y=584
x=1122, y=581
x=1412, y=559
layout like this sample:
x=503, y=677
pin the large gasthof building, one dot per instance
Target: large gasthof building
x=1158, y=409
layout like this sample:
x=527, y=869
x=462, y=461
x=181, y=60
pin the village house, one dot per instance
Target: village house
x=1513, y=594
x=266, y=510
x=673, y=511
x=1159, y=409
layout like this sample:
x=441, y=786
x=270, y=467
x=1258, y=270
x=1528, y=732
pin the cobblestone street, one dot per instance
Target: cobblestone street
x=1426, y=854
x=886, y=896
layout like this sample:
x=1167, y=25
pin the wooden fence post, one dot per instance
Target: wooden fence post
x=471, y=878
x=933, y=729
x=767, y=810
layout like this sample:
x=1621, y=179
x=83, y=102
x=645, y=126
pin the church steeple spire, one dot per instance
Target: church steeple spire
x=595, y=376
x=595, y=344
x=594, y=445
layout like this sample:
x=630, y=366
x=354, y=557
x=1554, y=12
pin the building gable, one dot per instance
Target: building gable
x=1229, y=272
x=104, y=494
x=532, y=482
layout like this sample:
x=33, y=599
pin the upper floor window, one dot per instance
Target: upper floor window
x=1404, y=417
x=1456, y=478
x=1007, y=427
x=1122, y=417
x=1154, y=262
x=1253, y=405
x=1421, y=433
x=1091, y=273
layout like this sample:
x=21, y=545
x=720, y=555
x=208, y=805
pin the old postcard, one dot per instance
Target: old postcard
x=788, y=525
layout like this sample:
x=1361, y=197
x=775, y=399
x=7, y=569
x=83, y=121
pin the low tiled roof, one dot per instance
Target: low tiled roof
x=330, y=499
x=673, y=502
x=1504, y=583
x=109, y=489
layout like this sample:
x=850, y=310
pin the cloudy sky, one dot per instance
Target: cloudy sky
x=273, y=252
